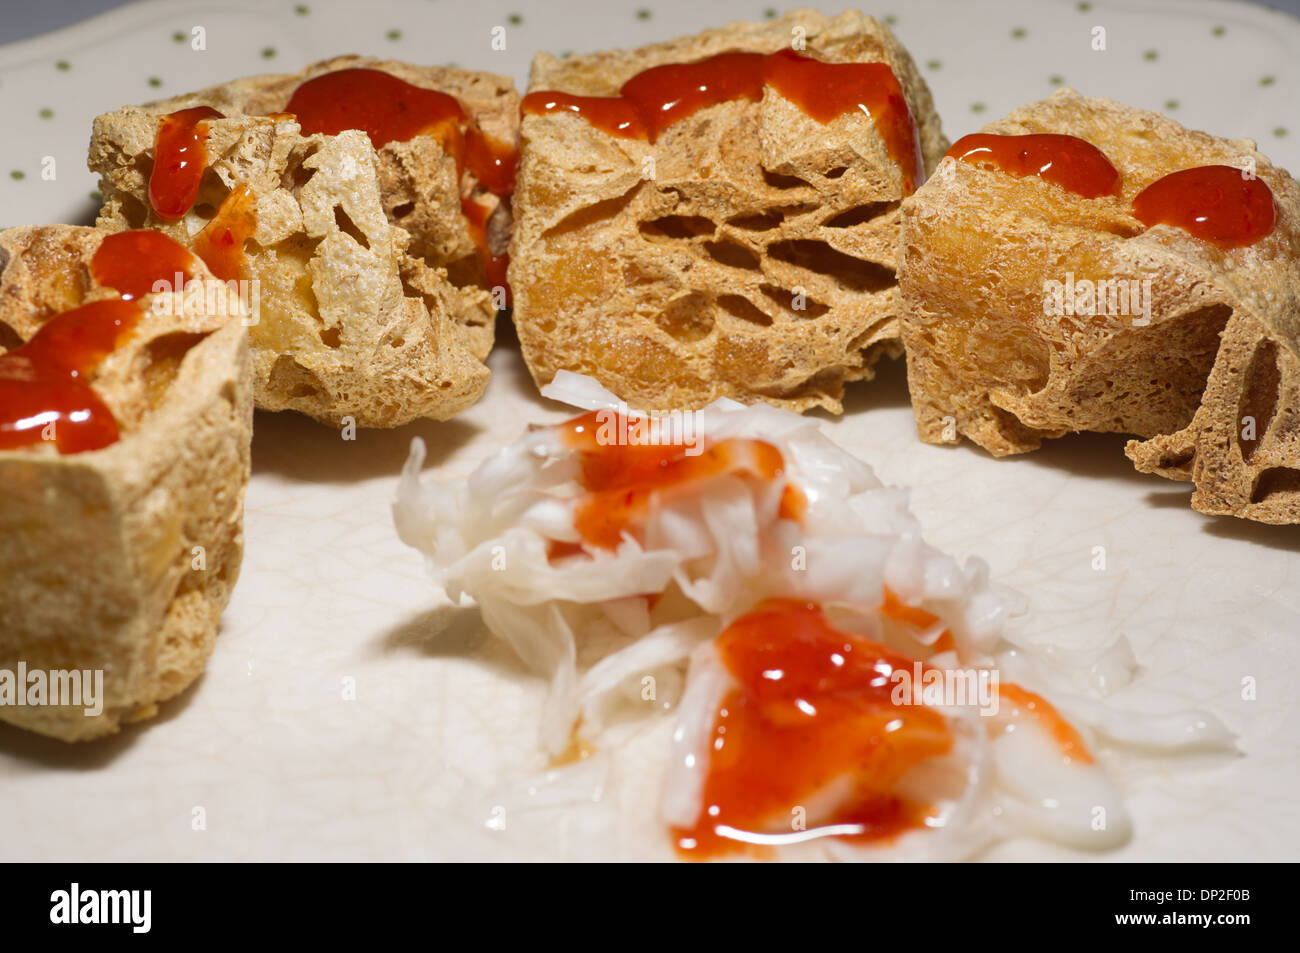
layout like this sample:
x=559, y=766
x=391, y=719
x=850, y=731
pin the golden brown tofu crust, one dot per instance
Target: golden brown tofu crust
x=748, y=253
x=374, y=300
x=990, y=360
x=122, y=559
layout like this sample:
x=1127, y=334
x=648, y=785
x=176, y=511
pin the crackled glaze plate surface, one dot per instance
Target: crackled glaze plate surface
x=435, y=756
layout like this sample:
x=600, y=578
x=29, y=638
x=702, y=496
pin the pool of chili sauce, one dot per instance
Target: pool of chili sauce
x=813, y=704
x=43, y=381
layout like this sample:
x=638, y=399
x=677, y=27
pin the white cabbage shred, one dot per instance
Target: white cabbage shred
x=711, y=555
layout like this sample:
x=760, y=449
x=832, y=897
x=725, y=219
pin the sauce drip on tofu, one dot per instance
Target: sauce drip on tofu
x=494, y=266
x=221, y=243
x=622, y=476
x=388, y=109
x=653, y=100
x=811, y=707
x=1068, y=161
x=133, y=263
x=1215, y=203
x=44, y=392
x=179, y=158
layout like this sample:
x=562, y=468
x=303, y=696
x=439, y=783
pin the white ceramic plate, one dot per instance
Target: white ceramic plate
x=435, y=756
